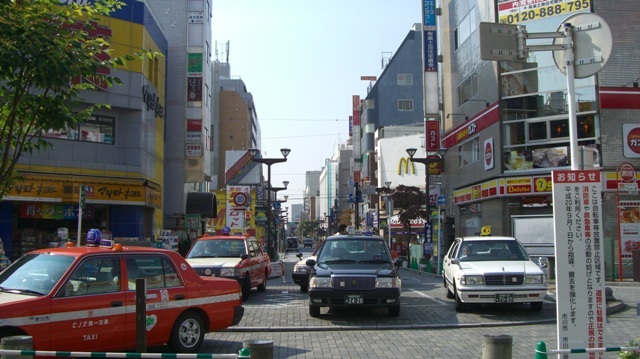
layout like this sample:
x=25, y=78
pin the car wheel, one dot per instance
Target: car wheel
x=263, y=286
x=304, y=288
x=449, y=294
x=246, y=288
x=314, y=311
x=460, y=306
x=394, y=311
x=187, y=334
x=536, y=306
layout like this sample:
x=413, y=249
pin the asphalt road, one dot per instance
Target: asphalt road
x=428, y=325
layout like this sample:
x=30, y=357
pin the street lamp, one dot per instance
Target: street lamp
x=427, y=161
x=269, y=161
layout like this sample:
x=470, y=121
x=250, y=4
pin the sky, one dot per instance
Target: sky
x=302, y=61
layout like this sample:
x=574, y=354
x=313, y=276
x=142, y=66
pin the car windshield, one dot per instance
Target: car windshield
x=491, y=250
x=217, y=248
x=34, y=273
x=359, y=250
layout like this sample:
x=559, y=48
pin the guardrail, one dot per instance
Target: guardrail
x=542, y=352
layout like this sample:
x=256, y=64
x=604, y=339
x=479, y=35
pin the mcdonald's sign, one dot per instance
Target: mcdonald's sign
x=406, y=161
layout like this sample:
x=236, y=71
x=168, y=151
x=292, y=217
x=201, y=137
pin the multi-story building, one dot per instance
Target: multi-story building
x=118, y=156
x=188, y=146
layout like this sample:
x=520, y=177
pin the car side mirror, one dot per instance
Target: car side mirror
x=311, y=262
x=244, y=256
x=299, y=255
x=455, y=260
x=398, y=263
x=543, y=262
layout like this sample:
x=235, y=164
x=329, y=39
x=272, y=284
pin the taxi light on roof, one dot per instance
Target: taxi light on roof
x=117, y=247
x=70, y=244
x=94, y=237
x=106, y=243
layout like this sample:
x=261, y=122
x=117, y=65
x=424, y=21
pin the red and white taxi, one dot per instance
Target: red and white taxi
x=238, y=257
x=84, y=299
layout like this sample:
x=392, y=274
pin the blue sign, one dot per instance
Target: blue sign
x=429, y=13
x=442, y=199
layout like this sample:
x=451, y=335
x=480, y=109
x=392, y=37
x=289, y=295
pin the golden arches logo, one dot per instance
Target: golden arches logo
x=406, y=161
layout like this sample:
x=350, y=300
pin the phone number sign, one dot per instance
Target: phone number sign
x=518, y=11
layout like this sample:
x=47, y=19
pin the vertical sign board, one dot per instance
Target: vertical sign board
x=430, y=58
x=579, y=251
x=432, y=135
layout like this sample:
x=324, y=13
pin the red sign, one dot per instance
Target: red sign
x=194, y=125
x=356, y=110
x=356, y=176
x=627, y=172
x=432, y=135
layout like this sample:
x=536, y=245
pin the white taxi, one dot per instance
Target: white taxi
x=238, y=257
x=492, y=269
x=84, y=299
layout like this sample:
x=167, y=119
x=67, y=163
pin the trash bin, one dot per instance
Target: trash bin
x=635, y=257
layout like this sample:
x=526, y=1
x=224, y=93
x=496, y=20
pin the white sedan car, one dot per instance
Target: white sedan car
x=492, y=269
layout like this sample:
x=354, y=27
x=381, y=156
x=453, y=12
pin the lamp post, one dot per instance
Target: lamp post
x=269, y=161
x=390, y=211
x=427, y=161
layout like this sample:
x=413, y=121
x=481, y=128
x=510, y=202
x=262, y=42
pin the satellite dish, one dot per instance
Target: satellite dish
x=592, y=44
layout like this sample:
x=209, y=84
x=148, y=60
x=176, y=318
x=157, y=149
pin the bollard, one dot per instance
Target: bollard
x=541, y=351
x=17, y=342
x=259, y=349
x=497, y=347
x=244, y=353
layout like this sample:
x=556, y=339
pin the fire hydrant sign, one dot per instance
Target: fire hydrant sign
x=579, y=251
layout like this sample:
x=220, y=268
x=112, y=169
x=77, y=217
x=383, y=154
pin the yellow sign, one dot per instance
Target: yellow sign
x=514, y=11
x=406, y=161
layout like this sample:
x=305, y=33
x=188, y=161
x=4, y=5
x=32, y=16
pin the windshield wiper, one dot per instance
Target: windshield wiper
x=373, y=261
x=340, y=261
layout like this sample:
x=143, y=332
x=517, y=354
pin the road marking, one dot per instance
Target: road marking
x=437, y=300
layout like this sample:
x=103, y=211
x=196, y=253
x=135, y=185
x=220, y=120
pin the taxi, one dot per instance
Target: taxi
x=238, y=257
x=83, y=298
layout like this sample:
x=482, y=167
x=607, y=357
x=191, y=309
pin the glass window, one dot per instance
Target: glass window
x=405, y=105
x=537, y=131
x=405, y=79
x=158, y=271
x=469, y=152
x=97, y=129
x=94, y=276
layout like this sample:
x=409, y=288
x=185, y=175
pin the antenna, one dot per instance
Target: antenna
x=216, y=50
x=227, y=51
x=386, y=57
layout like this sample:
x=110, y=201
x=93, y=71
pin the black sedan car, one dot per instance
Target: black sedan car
x=354, y=270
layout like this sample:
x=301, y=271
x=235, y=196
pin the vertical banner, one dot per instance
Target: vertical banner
x=430, y=59
x=579, y=251
x=432, y=135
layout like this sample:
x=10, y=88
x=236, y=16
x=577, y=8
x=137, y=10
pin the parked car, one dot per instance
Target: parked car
x=292, y=244
x=83, y=298
x=354, y=270
x=492, y=269
x=307, y=242
x=236, y=257
x=301, y=270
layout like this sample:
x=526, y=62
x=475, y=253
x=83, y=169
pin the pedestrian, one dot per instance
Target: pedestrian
x=342, y=229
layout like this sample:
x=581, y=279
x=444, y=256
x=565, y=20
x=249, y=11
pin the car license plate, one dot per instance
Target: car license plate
x=504, y=298
x=353, y=299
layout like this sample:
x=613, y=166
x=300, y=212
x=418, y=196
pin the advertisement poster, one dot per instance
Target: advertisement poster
x=630, y=226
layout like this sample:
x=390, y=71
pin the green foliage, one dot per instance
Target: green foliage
x=631, y=354
x=45, y=48
x=409, y=200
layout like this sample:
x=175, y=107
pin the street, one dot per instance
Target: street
x=428, y=325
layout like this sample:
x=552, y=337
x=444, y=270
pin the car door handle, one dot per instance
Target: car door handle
x=116, y=303
x=179, y=296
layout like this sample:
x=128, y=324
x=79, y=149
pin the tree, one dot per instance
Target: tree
x=409, y=200
x=48, y=51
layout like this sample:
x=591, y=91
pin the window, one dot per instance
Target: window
x=94, y=276
x=466, y=27
x=405, y=105
x=97, y=129
x=157, y=270
x=469, y=152
x=467, y=89
x=537, y=131
x=405, y=79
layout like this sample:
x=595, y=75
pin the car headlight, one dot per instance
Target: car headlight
x=472, y=280
x=301, y=268
x=320, y=282
x=535, y=279
x=388, y=283
x=228, y=272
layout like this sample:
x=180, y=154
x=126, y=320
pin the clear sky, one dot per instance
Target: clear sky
x=302, y=61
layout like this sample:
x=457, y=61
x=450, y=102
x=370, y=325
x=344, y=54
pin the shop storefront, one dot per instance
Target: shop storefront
x=44, y=211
